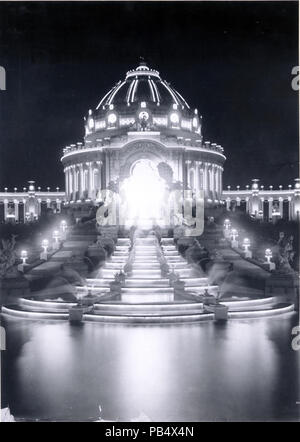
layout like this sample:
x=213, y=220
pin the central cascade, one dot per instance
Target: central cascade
x=143, y=195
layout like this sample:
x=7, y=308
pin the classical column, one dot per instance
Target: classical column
x=204, y=178
x=270, y=213
x=196, y=176
x=290, y=208
x=214, y=180
x=209, y=178
x=187, y=168
x=281, y=206
x=247, y=204
x=221, y=180
x=66, y=181
x=5, y=209
x=90, y=177
x=201, y=178
x=16, y=204
x=58, y=205
x=228, y=204
x=39, y=207
x=101, y=185
x=81, y=181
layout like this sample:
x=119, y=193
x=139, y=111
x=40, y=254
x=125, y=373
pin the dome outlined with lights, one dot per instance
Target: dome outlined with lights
x=143, y=85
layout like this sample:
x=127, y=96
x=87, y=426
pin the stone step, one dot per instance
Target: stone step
x=123, y=241
x=146, y=265
x=151, y=283
x=145, y=258
x=146, y=273
x=113, y=265
x=147, y=290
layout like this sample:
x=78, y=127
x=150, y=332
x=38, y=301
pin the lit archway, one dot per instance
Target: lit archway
x=142, y=195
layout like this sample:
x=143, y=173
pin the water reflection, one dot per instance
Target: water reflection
x=240, y=370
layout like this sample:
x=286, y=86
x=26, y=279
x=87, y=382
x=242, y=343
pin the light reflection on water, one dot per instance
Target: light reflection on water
x=241, y=370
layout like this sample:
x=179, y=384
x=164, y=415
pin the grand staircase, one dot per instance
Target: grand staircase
x=145, y=283
x=146, y=295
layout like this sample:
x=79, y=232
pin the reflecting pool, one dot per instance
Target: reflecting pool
x=241, y=370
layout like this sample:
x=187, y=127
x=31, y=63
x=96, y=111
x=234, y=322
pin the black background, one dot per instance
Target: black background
x=231, y=60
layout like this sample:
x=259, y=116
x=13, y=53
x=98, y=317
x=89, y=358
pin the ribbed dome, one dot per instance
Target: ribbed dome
x=143, y=84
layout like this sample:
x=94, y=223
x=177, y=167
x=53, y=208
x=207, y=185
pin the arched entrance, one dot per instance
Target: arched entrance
x=142, y=195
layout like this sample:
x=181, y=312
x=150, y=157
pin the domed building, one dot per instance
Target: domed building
x=143, y=124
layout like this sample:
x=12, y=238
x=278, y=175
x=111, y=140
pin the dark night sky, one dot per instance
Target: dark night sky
x=232, y=61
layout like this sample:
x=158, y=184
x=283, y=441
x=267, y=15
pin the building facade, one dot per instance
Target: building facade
x=29, y=204
x=142, y=118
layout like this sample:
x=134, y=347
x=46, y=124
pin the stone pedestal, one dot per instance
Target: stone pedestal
x=269, y=265
x=226, y=233
x=221, y=312
x=234, y=244
x=76, y=313
x=248, y=254
x=22, y=268
x=44, y=256
x=115, y=288
x=178, y=287
x=55, y=245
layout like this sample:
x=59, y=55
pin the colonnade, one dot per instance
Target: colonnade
x=82, y=181
x=205, y=176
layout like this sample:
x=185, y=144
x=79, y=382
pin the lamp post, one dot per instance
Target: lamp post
x=56, y=239
x=44, y=254
x=227, y=225
x=268, y=256
x=234, y=241
x=24, y=257
x=246, y=245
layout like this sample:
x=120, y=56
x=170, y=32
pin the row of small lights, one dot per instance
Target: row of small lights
x=45, y=243
x=25, y=189
x=262, y=187
x=246, y=241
